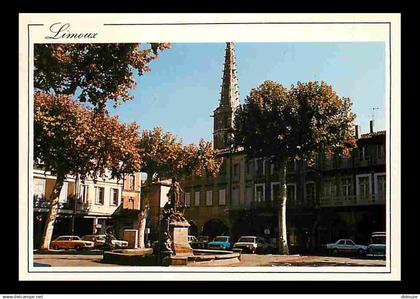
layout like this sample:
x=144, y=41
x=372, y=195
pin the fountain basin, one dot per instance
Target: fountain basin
x=131, y=257
x=145, y=257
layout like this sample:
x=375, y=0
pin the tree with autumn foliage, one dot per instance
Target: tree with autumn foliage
x=73, y=140
x=98, y=73
x=69, y=139
x=167, y=157
x=284, y=125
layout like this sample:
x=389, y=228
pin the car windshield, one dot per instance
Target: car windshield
x=76, y=238
x=203, y=238
x=247, y=239
x=221, y=239
x=378, y=240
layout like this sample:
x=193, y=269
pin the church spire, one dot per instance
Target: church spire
x=230, y=94
x=229, y=101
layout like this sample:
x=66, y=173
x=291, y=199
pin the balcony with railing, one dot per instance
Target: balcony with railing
x=41, y=204
x=352, y=200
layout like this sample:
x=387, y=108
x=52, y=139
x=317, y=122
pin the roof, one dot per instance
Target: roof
x=373, y=134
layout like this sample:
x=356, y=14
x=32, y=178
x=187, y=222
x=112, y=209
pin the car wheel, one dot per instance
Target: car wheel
x=78, y=247
x=335, y=251
x=361, y=252
x=253, y=250
x=55, y=247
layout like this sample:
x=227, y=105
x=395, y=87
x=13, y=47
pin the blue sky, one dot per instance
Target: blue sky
x=183, y=88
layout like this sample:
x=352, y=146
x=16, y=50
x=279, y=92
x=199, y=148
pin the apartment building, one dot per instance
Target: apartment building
x=85, y=207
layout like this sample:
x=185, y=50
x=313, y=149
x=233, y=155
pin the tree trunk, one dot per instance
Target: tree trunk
x=52, y=213
x=143, y=215
x=142, y=228
x=283, y=247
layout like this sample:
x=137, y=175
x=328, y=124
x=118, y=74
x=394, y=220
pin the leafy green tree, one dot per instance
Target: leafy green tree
x=284, y=125
x=73, y=140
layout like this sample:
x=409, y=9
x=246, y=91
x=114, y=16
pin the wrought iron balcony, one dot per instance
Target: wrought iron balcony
x=43, y=203
x=352, y=200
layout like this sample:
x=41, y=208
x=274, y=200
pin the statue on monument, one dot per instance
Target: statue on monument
x=175, y=197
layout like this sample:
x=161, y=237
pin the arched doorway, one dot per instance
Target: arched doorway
x=215, y=227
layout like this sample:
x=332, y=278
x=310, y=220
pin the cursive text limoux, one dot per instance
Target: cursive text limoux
x=62, y=30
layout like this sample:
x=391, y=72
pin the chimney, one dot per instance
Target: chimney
x=357, y=131
x=371, y=126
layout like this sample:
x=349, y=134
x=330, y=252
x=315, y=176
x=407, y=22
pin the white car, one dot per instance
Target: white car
x=251, y=244
x=99, y=241
x=346, y=246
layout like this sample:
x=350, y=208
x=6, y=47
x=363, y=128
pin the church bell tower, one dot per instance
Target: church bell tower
x=229, y=101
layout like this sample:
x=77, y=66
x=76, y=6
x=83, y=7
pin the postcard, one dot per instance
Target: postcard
x=209, y=147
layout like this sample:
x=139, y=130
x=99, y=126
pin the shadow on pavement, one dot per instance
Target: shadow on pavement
x=69, y=252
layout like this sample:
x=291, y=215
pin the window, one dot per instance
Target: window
x=187, y=199
x=342, y=242
x=249, y=165
x=63, y=193
x=236, y=171
x=381, y=151
x=259, y=192
x=84, y=193
x=197, y=198
x=380, y=186
x=346, y=187
x=259, y=167
x=132, y=182
x=330, y=188
x=114, y=197
x=310, y=192
x=275, y=191
x=364, y=153
x=235, y=197
x=222, y=197
x=99, y=195
x=291, y=193
x=328, y=161
x=39, y=189
x=131, y=202
x=363, y=186
x=209, y=198
x=249, y=196
x=349, y=242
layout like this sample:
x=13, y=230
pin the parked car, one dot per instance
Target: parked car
x=192, y=239
x=253, y=244
x=377, y=244
x=346, y=246
x=220, y=242
x=200, y=242
x=99, y=241
x=71, y=242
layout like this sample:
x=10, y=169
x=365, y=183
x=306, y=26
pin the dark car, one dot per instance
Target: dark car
x=200, y=242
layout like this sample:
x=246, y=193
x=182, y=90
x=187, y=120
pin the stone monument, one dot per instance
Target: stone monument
x=175, y=226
